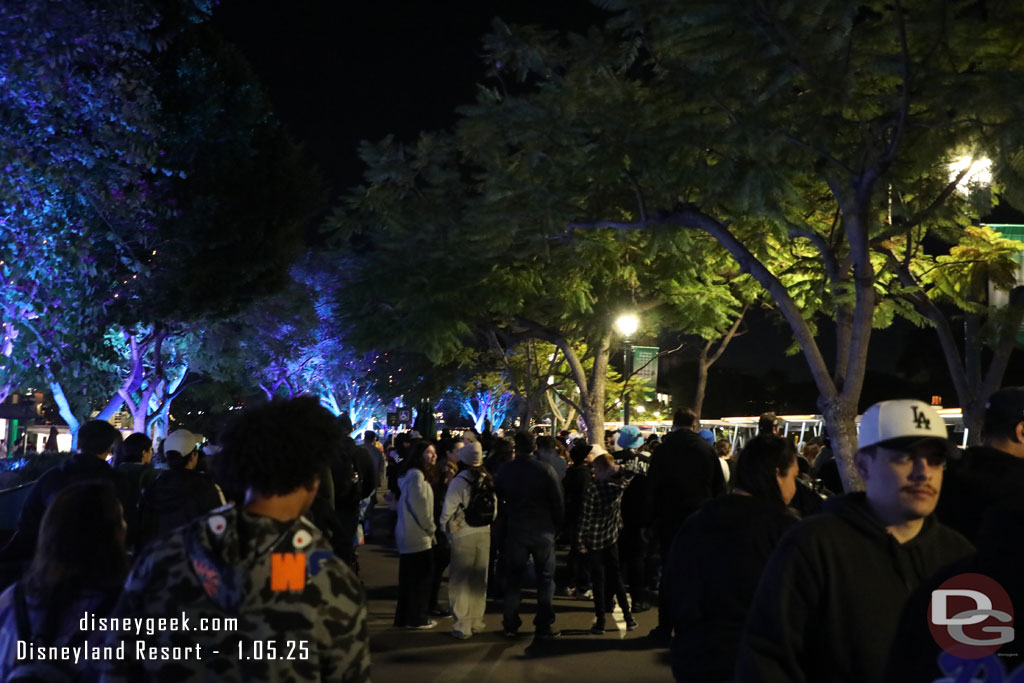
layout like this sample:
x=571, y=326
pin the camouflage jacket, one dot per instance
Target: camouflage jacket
x=300, y=612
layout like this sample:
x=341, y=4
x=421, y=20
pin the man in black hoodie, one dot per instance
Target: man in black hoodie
x=990, y=475
x=829, y=602
x=97, y=439
x=684, y=473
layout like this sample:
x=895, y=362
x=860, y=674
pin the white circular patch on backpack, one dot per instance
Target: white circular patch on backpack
x=302, y=538
x=217, y=524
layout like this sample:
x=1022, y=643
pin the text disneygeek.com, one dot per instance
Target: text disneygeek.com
x=116, y=648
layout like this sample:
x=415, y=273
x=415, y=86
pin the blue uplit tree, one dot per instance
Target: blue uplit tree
x=487, y=398
x=119, y=161
x=77, y=138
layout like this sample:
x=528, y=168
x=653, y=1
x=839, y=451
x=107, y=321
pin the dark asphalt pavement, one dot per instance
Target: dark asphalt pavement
x=412, y=656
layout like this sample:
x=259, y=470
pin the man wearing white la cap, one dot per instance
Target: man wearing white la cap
x=829, y=602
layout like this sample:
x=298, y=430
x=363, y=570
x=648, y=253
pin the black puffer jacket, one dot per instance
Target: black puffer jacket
x=175, y=498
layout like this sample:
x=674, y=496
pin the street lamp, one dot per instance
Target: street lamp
x=627, y=325
x=976, y=171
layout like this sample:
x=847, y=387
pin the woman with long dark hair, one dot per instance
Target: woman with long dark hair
x=718, y=556
x=79, y=566
x=502, y=452
x=414, y=536
x=439, y=475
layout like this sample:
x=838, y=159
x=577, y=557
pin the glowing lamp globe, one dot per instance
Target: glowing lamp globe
x=627, y=325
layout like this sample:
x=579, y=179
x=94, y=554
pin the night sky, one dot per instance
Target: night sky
x=341, y=72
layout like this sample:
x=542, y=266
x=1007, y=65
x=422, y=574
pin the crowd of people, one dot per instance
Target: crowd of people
x=760, y=572
x=127, y=572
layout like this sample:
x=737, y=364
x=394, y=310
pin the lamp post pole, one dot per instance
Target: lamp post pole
x=627, y=325
x=628, y=371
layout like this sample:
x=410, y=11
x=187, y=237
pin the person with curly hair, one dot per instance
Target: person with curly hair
x=260, y=563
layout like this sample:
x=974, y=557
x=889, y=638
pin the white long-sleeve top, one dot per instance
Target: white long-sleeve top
x=415, y=529
x=453, y=513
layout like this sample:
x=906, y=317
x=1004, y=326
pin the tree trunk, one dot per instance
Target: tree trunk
x=708, y=358
x=64, y=408
x=974, y=418
x=844, y=332
x=593, y=414
x=841, y=421
x=702, y=382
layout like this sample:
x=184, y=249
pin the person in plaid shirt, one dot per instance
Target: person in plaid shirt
x=598, y=536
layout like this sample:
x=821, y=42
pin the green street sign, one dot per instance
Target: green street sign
x=645, y=364
x=1010, y=232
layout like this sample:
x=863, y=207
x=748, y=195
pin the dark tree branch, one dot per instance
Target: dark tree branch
x=901, y=119
x=828, y=258
x=691, y=217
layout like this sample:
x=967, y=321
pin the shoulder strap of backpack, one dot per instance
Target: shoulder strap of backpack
x=21, y=613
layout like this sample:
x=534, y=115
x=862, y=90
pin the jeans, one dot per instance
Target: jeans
x=442, y=556
x=519, y=546
x=467, y=586
x=579, y=570
x=604, y=572
x=414, y=573
x=633, y=561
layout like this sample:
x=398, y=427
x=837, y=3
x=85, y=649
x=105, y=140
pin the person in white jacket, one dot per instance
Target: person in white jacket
x=414, y=536
x=471, y=546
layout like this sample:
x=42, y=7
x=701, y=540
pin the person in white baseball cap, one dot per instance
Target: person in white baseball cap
x=901, y=454
x=829, y=601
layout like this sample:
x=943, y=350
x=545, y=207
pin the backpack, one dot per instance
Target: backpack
x=347, y=482
x=482, y=508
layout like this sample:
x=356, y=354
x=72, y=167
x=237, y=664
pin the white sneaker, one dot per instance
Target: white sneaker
x=424, y=627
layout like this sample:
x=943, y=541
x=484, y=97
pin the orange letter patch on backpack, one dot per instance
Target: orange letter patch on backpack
x=287, y=571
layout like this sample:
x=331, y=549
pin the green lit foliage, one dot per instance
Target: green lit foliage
x=801, y=136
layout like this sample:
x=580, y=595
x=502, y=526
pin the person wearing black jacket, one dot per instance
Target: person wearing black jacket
x=990, y=475
x=578, y=478
x=684, y=474
x=717, y=559
x=354, y=480
x=632, y=544
x=97, y=439
x=1000, y=557
x=179, y=494
x=829, y=602
x=532, y=499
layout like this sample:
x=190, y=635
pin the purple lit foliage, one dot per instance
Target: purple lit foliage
x=77, y=139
